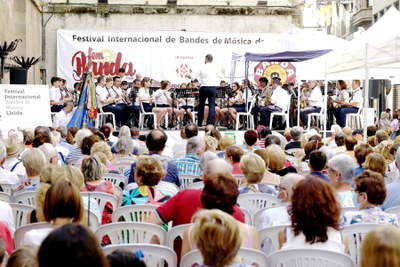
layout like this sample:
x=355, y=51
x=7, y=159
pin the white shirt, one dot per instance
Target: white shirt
x=7, y=177
x=102, y=94
x=273, y=217
x=143, y=93
x=62, y=118
x=280, y=98
x=7, y=216
x=315, y=99
x=55, y=94
x=208, y=75
x=36, y=236
x=160, y=97
x=19, y=169
x=357, y=97
x=116, y=93
x=179, y=148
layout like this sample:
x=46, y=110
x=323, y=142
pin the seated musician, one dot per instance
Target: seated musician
x=352, y=106
x=104, y=99
x=163, y=100
x=186, y=105
x=314, y=102
x=134, y=99
x=57, y=95
x=120, y=99
x=245, y=95
x=263, y=92
x=235, y=103
x=341, y=100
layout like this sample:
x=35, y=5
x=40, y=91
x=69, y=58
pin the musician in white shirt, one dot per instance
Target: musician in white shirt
x=354, y=103
x=57, y=98
x=279, y=102
x=105, y=100
x=63, y=117
x=163, y=100
x=314, y=102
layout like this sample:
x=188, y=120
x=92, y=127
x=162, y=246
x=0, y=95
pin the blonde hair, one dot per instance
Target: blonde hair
x=276, y=162
x=74, y=175
x=381, y=247
x=149, y=170
x=217, y=236
x=375, y=162
x=225, y=141
x=34, y=161
x=211, y=143
x=23, y=257
x=253, y=167
x=92, y=168
x=384, y=149
x=101, y=147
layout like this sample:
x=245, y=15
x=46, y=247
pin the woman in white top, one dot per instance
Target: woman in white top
x=314, y=214
x=236, y=103
x=163, y=100
x=185, y=105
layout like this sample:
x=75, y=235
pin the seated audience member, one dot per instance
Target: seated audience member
x=224, y=142
x=62, y=205
x=213, y=132
x=71, y=133
x=377, y=163
x=341, y=173
x=34, y=162
x=370, y=190
x=295, y=134
x=211, y=143
x=339, y=140
x=106, y=130
x=50, y=152
x=221, y=192
x=149, y=173
x=233, y=154
x=272, y=140
x=101, y=148
x=361, y=152
x=63, y=142
x=381, y=136
x=187, y=132
x=393, y=189
x=250, y=141
x=314, y=215
x=277, y=162
x=358, y=134
x=7, y=217
x=23, y=257
x=6, y=177
x=253, y=167
x=317, y=164
x=155, y=142
x=350, y=142
x=76, y=154
x=62, y=151
x=123, y=147
x=269, y=177
x=125, y=258
x=392, y=159
x=380, y=247
x=71, y=245
x=207, y=157
x=190, y=163
x=310, y=146
x=12, y=162
x=263, y=132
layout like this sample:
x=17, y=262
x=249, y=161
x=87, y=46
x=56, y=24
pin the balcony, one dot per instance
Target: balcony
x=363, y=18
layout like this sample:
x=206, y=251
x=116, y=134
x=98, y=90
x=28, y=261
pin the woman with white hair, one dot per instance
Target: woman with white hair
x=340, y=172
x=34, y=162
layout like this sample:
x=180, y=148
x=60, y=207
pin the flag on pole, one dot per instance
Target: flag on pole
x=86, y=111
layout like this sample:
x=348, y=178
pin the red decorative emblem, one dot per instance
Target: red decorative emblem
x=183, y=70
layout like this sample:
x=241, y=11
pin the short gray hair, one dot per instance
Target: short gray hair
x=329, y=152
x=296, y=133
x=207, y=157
x=80, y=135
x=217, y=166
x=125, y=131
x=49, y=151
x=194, y=145
x=289, y=181
x=343, y=165
x=124, y=145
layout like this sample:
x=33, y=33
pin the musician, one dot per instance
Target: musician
x=352, y=106
x=314, y=102
x=341, y=100
x=144, y=94
x=63, y=117
x=134, y=99
x=235, y=102
x=264, y=96
x=185, y=105
x=57, y=96
x=105, y=100
x=278, y=103
x=245, y=94
x=121, y=99
x=163, y=101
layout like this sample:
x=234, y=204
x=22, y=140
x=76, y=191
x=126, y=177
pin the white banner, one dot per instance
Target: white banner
x=158, y=55
x=24, y=106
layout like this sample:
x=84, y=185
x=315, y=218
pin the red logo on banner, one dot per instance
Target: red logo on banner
x=284, y=70
x=183, y=70
x=105, y=62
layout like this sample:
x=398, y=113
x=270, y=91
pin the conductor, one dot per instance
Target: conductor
x=209, y=79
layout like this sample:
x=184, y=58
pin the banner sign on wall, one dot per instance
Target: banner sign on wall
x=24, y=106
x=163, y=55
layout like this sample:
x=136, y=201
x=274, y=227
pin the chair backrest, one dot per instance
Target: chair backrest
x=360, y=106
x=239, y=178
x=125, y=160
x=249, y=257
x=27, y=198
x=394, y=210
x=21, y=231
x=154, y=255
x=186, y=180
x=256, y=202
x=116, y=179
x=256, y=216
x=309, y=257
x=21, y=213
x=174, y=233
x=247, y=216
x=288, y=104
x=122, y=167
x=196, y=185
x=133, y=213
x=253, y=100
x=5, y=197
x=356, y=233
x=93, y=221
x=131, y=232
x=346, y=209
x=8, y=188
x=102, y=199
x=269, y=241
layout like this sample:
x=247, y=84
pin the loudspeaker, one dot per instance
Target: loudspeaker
x=18, y=76
x=374, y=89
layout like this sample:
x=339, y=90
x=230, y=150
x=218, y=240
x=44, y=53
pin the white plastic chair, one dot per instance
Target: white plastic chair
x=8, y=188
x=133, y=213
x=247, y=216
x=248, y=115
x=310, y=258
x=154, y=255
x=93, y=220
x=21, y=231
x=346, y=209
x=356, y=233
x=256, y=216
x=102, y=199
x=186, y=180
x=196, y=185
x=318, y=116
x=125, y=159
x=27, y=198
x=131, y=232
x=143, y=115
x=174, y=233
x=256, y=202
x=268, y=236
x=394, y=210
x=239, y=178
x=116, y=179
x=103, y=115
x=21, y=213
x=249, y=257
x=5, y=197
x=122, y=167
x=284, y=114
x=355, y=120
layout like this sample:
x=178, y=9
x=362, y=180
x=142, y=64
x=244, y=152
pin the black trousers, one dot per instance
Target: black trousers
x=207, y=92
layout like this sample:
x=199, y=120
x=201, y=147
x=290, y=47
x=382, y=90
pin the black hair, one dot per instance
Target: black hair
x=156, y=140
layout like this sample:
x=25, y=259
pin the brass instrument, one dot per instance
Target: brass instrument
x=305, y=93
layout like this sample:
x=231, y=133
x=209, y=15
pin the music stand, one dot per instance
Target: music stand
x=187, y=93
x=222, y=92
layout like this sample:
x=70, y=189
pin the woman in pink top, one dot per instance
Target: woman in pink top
x=233, y=154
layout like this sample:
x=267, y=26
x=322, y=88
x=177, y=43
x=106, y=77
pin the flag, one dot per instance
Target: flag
x=86, y=111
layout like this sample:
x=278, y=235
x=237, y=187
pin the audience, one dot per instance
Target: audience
x=23, y=257
x=269, y=177
x=233, y=154
x=317, y=163
x=361, y=152
x=295, y=135
x=189, y=164
x=277, y=162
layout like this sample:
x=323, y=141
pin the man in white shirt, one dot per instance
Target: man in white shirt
x=314, y=102
x=354, y=103
x=7, y=177
x=106, y=101
x=57, y=98
x=279, y=102
x=209, y=79
x=120, y=98
x=63, y=117
x=264, y=93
